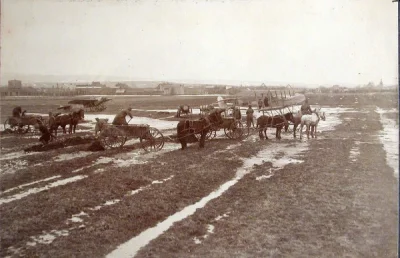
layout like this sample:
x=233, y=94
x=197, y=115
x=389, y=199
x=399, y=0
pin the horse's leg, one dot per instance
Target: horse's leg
x=301, y=130
x=312, y=131
x=315, y=131
x=294, y=130
x=308, y=131
x=203, y=138
x=265, y=132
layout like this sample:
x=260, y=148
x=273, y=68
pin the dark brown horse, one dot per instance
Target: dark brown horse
x=278, y=122
x=187, y=128
x=70, y=119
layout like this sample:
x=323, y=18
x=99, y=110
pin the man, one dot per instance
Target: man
x=46, y=135
x=17, y=112
x=236, y=113
x=266, y=104
x=120, y=117
x=305, y=108
x=249, y=117
x=260, y=104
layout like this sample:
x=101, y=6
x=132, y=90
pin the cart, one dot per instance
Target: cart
x=114, y=136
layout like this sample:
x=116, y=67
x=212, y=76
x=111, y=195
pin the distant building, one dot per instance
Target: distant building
x=15, y=84
x=171, y=89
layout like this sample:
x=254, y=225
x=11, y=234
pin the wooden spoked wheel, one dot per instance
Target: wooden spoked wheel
x=235, y=130
x=152, y=140
x=113, y=138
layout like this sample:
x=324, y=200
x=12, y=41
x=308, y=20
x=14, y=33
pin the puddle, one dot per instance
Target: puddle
x=16, y=155
x=354, y=153
x=69, y=156
x=132, y=246
x=40, y=189
x=389, y=137
x=47, y=237
x=32, y=183
x=12, y=166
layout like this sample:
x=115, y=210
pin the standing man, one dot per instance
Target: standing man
x=266, y=104
x=120, y=118
x=236, y=113
x=305, y=108
x=249, y=118
x=260, y=104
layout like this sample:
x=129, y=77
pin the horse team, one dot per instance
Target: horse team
x=188, y=128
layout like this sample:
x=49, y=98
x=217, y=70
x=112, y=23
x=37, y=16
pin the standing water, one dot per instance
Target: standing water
x=132, y=246
x=389, y=137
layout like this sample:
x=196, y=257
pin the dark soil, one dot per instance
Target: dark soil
x=327, y=206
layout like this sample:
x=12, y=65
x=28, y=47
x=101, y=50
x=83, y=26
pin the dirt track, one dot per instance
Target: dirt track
x=334, y=203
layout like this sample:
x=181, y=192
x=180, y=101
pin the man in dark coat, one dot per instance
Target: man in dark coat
x=249, y=117
x=305, y=108
x=236, y=113
x=46, y=135
x=17, y=112
x=119, y=119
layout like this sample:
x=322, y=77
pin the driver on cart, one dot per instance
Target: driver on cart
x=17, y=112
x=120, y=118
x=305, y=108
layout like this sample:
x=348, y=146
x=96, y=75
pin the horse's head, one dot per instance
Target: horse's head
x=216, y=117
x=319, y=113
x=289, y=117
x=80, y=114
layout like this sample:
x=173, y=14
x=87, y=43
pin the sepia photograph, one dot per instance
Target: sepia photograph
x=199, y=128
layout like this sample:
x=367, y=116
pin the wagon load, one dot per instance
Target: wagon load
x=90, y=105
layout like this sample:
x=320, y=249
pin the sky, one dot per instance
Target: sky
x=349, y=42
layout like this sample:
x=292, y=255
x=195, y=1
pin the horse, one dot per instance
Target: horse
x=100, y=125
x=311, y=121
x=76, y=117
x=202, y=126
x=296, y=122
x=278, y=122
x=70, y=119
x=183, y=109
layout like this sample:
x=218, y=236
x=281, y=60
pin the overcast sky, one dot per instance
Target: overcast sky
x=309, y=41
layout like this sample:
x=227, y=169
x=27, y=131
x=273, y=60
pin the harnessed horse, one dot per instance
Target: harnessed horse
x=278, y=122
x=311, y=121
x=202, y=126
x=71, y=119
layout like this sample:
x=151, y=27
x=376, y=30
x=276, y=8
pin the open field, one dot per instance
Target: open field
x=333, y=196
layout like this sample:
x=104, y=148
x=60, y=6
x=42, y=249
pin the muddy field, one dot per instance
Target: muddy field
x=333, y=196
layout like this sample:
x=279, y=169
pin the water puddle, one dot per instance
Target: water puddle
x=47, y=237
x=12, y=166
x=355, y=151
x=389, y=137
x=70, y=156
x=16, y=155
x=40, y=189
x=131, y=247
x=31, y=183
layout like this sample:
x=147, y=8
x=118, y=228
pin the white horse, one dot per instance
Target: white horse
x=311, y=121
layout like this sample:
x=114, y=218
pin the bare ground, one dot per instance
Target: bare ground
x=329, y=205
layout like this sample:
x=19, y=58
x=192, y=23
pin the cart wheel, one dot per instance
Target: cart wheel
x=235, y=130
x=152, y=140
x=113, y=138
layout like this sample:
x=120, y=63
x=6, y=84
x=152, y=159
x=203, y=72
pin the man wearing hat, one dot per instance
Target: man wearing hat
x=305, y=108
x=120, y=117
